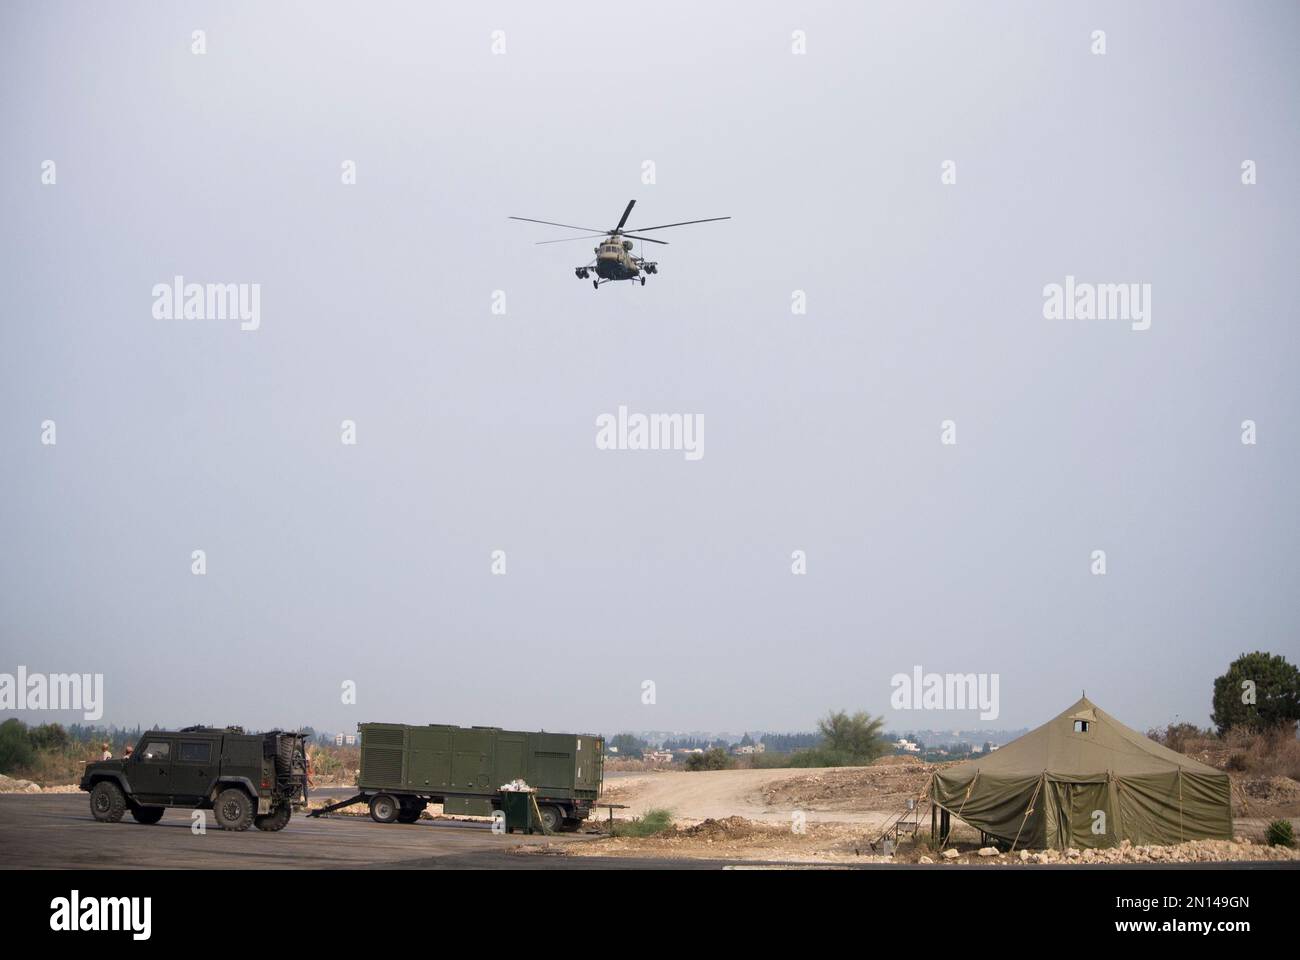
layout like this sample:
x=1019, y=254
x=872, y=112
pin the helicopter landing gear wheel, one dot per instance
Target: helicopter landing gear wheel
x=643, y=281
x=595, y=284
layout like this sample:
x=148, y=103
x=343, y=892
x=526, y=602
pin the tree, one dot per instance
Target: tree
x=1259, y=691
x=48, y=736
x=857, y=736
x=628, y=745
x=15, y=745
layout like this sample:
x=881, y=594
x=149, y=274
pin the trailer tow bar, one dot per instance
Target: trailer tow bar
x=335, y=806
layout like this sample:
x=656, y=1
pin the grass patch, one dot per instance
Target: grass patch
x=652, y=824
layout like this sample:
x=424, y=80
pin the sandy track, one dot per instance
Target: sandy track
x=716, y=794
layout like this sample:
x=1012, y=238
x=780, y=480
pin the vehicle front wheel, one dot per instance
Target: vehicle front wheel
x=234, y=809
x=383, y=808
x=147, y=814
x=107, y=804
x=276, y=820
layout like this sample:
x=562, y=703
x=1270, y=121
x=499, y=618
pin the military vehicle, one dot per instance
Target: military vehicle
x=245, y=779
x=403, y=768
x=614, y=257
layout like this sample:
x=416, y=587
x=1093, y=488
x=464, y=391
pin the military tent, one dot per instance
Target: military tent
x=1086, y=780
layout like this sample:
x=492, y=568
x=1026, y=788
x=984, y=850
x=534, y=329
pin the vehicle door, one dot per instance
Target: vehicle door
x=193, y=769
x=150, y=774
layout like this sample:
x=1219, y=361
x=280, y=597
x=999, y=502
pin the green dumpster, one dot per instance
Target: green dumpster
x=517, y=805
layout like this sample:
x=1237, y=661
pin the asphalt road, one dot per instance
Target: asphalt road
x=57, y=831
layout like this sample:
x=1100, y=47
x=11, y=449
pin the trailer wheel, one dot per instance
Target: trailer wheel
x=107, y=804
x=383, y=808
x=552, y=817
x=410, y=812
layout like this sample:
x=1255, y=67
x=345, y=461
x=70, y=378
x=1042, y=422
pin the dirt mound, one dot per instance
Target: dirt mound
x=730, y=828
x=894, y=760
x=1272, y=790
x=886, y=787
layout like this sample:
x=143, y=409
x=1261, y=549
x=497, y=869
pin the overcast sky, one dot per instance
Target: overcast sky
x=372, y=563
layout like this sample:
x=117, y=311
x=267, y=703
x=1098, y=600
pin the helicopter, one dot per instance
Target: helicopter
x=614, y=257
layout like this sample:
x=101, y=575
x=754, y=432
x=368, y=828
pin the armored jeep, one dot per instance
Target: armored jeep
x=245, y=779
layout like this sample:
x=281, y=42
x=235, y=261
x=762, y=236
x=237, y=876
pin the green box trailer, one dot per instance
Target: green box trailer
x=405, y=767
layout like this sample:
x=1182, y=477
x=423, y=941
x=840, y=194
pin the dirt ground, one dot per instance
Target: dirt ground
x=833, y=815
x=867, y=796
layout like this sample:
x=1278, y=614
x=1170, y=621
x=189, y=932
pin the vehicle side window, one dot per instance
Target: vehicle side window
x=156, y=751
x=196, y=752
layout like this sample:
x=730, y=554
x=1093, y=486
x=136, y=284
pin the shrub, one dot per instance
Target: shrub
x=1182, y=737
x=1280, y=834
x=714, y=759
x=769, y=761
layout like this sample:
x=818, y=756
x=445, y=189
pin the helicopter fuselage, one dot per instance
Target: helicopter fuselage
x=615, y=262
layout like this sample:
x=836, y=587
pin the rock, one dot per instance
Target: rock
x=988, y=851
x=1024, y=855
x=951, y=854
x=1072, y=853
x=10, y=785
x=925, y=860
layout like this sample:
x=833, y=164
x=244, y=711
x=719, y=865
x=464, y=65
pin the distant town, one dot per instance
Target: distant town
x=934, y=746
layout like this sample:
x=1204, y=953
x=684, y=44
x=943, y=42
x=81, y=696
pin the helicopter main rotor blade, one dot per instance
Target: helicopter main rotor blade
x=552, y=223
x=586, y=236
x=633, y=236
x=664, y=226
x=630, y=205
